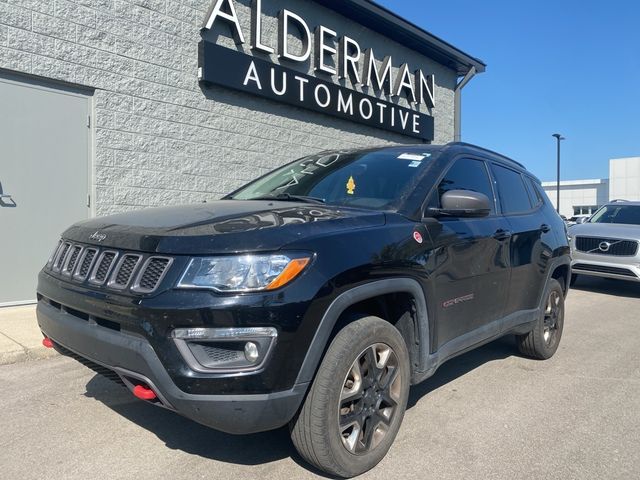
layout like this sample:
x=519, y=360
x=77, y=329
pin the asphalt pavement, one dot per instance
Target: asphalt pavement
x=489, y=414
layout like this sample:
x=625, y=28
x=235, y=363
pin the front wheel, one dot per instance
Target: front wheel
x=357, y=401
x=543, y=341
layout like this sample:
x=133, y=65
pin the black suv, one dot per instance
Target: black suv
x=315, y=295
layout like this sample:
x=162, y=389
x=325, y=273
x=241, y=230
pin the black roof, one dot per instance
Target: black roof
x=389, y=24
x=470, y=146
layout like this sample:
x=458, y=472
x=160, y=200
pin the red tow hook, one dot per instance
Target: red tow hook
x=47, y=342
x=144, y=393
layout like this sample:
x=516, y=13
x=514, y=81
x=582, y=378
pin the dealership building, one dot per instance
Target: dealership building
x=584, y=197
x=115, y=105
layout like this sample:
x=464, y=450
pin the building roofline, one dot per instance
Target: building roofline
x=571, y=183
x=624, y=158
x=390, y=24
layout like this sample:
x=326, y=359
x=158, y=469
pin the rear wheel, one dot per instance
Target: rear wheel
x=357, y=401
x=543, y=341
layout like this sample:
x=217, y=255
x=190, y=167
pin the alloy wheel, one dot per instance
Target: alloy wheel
x=369, y=398
x=552, y=315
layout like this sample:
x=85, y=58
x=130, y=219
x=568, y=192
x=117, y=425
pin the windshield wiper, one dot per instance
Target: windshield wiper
x=287, y=197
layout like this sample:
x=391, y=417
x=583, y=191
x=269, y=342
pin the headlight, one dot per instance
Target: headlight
x=246, y=273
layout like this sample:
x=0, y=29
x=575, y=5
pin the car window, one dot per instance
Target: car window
x=511, y=190
x=626, y=214
x=467, y=174
x=375, y=179
x=534, y=191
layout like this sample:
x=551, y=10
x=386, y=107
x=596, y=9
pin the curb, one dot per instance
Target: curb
x=25, y=354
x=20, y=336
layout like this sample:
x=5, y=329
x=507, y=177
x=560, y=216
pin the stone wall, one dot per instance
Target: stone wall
x=159, y=138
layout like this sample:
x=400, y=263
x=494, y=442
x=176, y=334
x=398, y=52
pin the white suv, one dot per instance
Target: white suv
x=606, y=245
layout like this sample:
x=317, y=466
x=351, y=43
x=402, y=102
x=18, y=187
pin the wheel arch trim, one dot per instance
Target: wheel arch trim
x=558, y=262
x=357, y=294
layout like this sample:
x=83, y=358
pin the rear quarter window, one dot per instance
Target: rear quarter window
x=534, y=191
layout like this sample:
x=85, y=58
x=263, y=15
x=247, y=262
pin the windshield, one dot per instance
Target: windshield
x=626, y=214
x=375, y=179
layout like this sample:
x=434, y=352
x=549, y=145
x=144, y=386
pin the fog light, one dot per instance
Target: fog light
x=227, y=350
x=251, y=352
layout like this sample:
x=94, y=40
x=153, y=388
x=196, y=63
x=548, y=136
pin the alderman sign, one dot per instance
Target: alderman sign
x=260, y=76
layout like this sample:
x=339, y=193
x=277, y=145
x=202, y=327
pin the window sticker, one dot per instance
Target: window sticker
x=351, y=186
x=411, y=156
x=415, y=164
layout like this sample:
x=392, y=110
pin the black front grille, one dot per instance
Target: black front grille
x=612, y=246
x=61, y=256
x=625, y=272
x=87, y=261
x=125, y=270
x=73, y=258
x=104, y=266
x=109, y=268
x=153, y=273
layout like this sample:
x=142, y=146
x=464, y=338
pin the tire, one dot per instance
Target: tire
x=370, y=415
x=574, y=277
x=543, y=341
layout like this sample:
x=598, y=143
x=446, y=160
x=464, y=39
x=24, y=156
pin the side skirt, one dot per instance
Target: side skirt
x=515, y=323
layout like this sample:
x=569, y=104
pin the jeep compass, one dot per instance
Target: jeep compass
x=316, y=295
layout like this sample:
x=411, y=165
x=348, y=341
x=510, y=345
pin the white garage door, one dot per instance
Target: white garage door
x=44, y=177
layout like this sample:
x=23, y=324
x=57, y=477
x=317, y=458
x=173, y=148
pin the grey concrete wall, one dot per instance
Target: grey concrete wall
x=576, y=194
x=624, y=179
x=159, y=138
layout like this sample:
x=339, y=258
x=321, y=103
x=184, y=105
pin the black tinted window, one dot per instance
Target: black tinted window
x=534, y=190
x=511, y=190
x=467, y=174
x=616, y=213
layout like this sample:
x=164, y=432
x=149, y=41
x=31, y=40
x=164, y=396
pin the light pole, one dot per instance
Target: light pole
x=559, y=138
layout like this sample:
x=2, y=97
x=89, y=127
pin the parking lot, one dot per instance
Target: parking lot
x=487, y=414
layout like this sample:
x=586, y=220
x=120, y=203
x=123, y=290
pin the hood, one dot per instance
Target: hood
x=606, y=230
x=224, y=226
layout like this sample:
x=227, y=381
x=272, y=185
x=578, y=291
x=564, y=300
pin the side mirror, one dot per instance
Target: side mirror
x=582, y=220
x=463, y=203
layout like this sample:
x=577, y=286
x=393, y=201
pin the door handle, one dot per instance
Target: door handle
x=545, y=228
x=7, y=201
x=502, y=234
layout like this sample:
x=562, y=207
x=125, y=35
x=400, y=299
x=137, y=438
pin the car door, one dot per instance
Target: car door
x=529, y=253
x=468, y=265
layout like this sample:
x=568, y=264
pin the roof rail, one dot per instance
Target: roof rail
x=618, y=200
x=504, y=157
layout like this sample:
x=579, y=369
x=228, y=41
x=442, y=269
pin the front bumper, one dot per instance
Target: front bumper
x=133, y=358
x=608, y=266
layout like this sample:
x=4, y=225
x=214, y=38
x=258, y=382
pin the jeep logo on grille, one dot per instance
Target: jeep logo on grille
x=97, y=236
x=604, y=246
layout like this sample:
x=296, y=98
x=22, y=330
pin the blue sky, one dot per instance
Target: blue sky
x=564, y=66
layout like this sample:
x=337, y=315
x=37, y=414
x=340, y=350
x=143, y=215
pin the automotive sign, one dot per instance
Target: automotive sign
x=261, y=76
